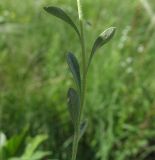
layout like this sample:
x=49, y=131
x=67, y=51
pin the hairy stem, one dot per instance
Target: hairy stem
x=82, y=94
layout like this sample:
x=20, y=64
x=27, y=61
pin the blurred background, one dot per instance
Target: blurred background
x=34, y=79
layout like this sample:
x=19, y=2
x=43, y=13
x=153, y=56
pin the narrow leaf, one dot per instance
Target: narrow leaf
x=73, y=105
x=33, y=145
x=75, y=69
x=83, y=128
x=58, y=12
x=14, y=144
x=102, y=39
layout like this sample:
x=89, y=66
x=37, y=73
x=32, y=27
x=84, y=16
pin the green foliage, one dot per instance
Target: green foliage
x=102, y=39
x=12, y=146
x=31, y=151
x=32, y=145
x=34, y=78
x=75, y=69
x=73, y=105
x=76, y=102
x=15, y=146
x=58, y=12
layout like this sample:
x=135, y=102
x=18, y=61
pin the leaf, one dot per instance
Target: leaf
x=31, y=152
x=102, y=39
x=33, y=145
x=35, y=156
x=14, y=145
x=83, y=128
x=73, y=105
x=75, y=69
x=58, y=12
x=38, y=155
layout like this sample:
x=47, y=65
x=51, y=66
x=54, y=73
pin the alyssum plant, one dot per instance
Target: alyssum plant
x=76, y=97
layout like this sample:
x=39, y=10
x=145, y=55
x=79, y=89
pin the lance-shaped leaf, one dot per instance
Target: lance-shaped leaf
x=75, y=69
x=102, y=39
x=83, y=128
x=73, y=105
x=58, y=12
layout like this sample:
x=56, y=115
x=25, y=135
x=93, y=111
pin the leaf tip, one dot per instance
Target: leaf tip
x=108, y=34
x=113, y=30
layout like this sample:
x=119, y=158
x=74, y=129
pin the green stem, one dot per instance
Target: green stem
x=82, y=94
x=75, y=145
x=83, y=69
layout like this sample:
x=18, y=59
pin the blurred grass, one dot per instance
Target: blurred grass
x=34, y=77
